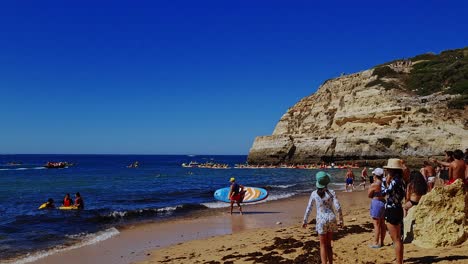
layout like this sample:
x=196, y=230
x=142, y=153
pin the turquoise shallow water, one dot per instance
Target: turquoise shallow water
x=115, y=195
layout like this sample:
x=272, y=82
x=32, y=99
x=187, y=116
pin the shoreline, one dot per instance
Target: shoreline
x=133, y=241
x=222, y=237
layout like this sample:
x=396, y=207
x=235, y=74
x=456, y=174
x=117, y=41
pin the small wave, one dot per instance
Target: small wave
x=284, y=186
x=216, y=205
x=87, y=239
x=19, y=169
x=116, y=216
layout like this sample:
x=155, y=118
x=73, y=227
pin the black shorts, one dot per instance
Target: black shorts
x=394, y=215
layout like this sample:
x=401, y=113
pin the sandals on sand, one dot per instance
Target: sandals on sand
x=374, y=246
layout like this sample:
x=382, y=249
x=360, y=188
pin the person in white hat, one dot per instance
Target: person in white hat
x=377, y=208
x=393, y=187
x=324, y=200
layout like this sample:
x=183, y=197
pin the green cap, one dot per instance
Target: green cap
x=323, y=179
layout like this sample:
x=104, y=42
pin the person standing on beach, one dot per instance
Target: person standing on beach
x=235, y=194
x=456, y=168
x=377, y=208
x=324, y=200
x=429, y=174
x=350, y=179
x=363, y=177
x=393, y=187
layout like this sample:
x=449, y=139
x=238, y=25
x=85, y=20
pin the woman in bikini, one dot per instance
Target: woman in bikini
x=394, y=188
x=416, y=189
x=377, y=208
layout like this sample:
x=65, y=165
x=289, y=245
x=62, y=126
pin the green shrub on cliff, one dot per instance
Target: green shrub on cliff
x=446, y=72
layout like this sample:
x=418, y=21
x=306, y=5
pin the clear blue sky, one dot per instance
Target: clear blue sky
x=182, y=77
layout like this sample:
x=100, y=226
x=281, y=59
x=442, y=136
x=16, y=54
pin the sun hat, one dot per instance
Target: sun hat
x=232, y=179
x=394, y=164
x=323, y=179
x=378, y=171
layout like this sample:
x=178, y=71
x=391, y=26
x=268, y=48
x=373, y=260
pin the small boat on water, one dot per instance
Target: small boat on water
x=192, y=164
x=134, y=165
x=14, y=163
x=56, y=165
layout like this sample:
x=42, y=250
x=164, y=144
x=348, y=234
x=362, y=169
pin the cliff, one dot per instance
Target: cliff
x=440, y=218
x=403, y=108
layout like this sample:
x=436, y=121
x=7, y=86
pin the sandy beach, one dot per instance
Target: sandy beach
x=267, y=233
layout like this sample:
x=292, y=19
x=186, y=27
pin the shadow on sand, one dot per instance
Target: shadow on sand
x=433, y=259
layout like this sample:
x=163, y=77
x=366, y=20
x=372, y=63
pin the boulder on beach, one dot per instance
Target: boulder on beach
x=440, y=218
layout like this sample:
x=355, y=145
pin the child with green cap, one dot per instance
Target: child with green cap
x=324, y=200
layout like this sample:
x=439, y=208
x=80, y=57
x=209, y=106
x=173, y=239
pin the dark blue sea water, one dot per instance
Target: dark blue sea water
x=115, y=195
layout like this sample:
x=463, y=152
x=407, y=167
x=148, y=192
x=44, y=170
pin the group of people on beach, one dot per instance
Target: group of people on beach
x=67, y=202
x=394, y=189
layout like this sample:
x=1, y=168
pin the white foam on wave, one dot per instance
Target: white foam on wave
x=17, y=169
x=270, y=198
x=283, y=186
x=88, y=239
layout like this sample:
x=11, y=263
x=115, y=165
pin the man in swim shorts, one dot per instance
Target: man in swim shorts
x=236, y=194
x=350, y=179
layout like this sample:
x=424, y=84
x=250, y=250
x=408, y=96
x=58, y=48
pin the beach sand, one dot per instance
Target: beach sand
x=215, y=236
x=290, y=243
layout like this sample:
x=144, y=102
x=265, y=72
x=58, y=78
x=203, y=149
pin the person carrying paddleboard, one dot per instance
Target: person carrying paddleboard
x=236, y=194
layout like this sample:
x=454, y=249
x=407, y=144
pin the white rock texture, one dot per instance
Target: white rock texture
x=346, y=119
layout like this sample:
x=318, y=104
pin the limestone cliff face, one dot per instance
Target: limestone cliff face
x=440, y=218
x=354, y=116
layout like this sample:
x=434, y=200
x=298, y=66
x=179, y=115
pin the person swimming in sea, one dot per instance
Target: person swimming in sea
x=48, y=205
x=67, y=201
x=79, y=203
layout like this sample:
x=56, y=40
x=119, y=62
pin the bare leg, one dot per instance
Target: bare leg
x=329, y=247
x=377, y=229
x=383, y=231
x=323, y=248
x=240, y=207
x=232, y=205
x=395, y=234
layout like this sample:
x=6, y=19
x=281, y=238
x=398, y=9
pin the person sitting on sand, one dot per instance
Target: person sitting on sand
x=67, y=201
x=349, y=179
x=377, y=208
x=393, y=187
x=236, y=194
x=415, y=190
x=79, y=203
x=326, y=222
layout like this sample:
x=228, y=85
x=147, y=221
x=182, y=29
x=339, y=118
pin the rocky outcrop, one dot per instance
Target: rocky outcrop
x=358, y=116
x=440, y=218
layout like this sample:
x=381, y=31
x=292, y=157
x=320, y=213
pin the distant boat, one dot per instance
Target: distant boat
x=56, y=165
x=134, y=165
x=14, y=163
x=192, y=164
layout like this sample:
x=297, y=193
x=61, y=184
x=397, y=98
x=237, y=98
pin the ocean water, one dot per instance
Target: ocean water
x=116, y=196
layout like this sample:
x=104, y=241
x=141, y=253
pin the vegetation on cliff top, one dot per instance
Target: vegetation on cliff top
x=446, y=72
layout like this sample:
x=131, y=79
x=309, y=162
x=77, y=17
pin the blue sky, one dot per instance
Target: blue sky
x=190, y=77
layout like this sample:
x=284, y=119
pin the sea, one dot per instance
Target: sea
x=116, y=196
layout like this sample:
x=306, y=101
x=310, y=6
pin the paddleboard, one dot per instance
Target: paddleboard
x=252, y=194
x=68, y=208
